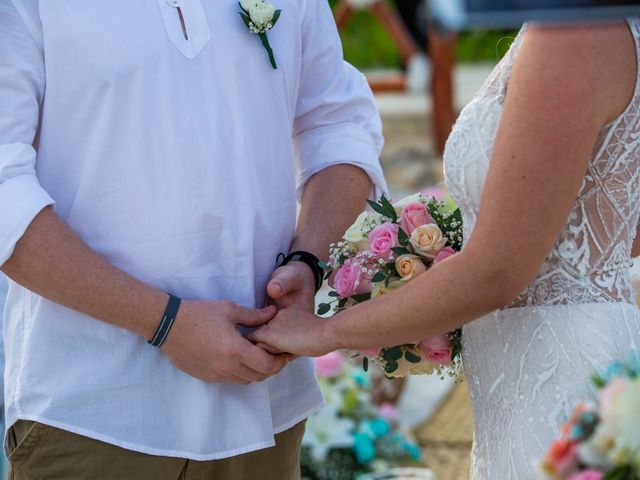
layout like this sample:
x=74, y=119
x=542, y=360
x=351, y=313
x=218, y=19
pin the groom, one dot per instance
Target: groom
x=148, y=156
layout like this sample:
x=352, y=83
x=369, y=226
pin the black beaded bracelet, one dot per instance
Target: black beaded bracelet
x=170, y=314
x=307, y=258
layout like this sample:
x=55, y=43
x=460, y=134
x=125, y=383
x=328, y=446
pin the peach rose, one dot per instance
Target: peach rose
x=562, y=457
x=409, y=266
x=427, y=240
x=330, y=365
x=587, y=475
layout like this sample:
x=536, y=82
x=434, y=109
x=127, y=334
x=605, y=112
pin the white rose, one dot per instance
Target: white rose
x=356, y=235
x=427, y=240
x=247, y=5
x=262, y=13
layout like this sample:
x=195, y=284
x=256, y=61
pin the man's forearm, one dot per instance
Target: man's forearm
x=52, y=261
x=332, y=200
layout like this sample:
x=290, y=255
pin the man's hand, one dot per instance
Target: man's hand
x=293, y=285
x=206, y=344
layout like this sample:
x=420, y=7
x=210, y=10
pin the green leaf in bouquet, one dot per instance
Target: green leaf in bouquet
x=362, y=297
x=323, y=308
x=403, y=238
x=376, y=207
x=379, y=277
x=412, y=357
x=598, y=381
x=365, y=364
x=333, y=294
x=391, y=366
x=624, y=472
x=388, y=208
x=393, y=353
x=400, y=251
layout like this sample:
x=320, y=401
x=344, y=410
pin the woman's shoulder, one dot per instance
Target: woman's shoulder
x=591, y=63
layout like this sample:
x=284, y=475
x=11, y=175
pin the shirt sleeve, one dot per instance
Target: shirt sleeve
x=21, y=93
x=337, y=121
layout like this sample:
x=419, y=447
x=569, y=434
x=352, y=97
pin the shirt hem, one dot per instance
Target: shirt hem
x=142, y=449
x=297, y=419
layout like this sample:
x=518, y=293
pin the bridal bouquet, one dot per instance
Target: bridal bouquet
x=385, y=249
x=351, y=437
x=602, y=440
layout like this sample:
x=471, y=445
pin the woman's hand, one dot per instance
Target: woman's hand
x=295, y=331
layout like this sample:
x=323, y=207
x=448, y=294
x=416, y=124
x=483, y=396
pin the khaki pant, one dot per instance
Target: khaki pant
x=40, y=452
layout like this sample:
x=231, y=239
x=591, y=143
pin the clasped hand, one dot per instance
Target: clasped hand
x=205, y=341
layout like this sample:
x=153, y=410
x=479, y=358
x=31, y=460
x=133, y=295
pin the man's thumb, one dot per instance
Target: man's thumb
x=282, y=283
x=250, y=317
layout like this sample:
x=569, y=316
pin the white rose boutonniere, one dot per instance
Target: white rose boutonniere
x=260, y=17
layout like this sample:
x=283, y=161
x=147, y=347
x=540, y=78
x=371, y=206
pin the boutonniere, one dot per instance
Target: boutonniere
x=260, y=17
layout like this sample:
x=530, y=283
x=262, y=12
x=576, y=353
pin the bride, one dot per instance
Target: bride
x=545, y=165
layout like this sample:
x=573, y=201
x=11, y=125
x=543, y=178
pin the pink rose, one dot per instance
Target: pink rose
x=371, y=353
x=383, y=238
x=437, y=349
x=443, y=254
x=350, y=280
x=435, y=192
x=587, y=475
x=413, y=216
x=389, y=412
x=607, y=395
x=330, y=365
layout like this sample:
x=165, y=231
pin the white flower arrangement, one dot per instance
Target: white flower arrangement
x=260, y=17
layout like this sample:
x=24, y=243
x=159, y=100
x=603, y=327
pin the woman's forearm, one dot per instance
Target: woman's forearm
x=446, y=297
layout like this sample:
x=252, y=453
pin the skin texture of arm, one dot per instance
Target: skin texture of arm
x=332, y=200
x=52, y=261
x=566, y=84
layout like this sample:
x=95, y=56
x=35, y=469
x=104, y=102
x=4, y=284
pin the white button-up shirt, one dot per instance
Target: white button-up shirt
x=173, y=153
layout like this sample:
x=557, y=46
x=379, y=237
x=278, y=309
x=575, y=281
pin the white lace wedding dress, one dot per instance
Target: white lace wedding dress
x=528, y=364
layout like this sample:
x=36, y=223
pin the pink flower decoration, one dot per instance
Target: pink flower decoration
x=383, y=238
x=443, y=254
x=587, y=475
x=371, y=353
x=562, y=456
x=413, y=216
x=389, y=412
x=330, y=365
x=435, y=192
x=350, y=280
x=607, y=395
x=437, y=349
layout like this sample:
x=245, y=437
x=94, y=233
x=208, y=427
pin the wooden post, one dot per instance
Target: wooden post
x=442, y=51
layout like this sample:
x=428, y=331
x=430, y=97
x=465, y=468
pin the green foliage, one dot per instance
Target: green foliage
x=367, y=45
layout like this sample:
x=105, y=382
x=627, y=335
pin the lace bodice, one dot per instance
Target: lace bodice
x=591, y=258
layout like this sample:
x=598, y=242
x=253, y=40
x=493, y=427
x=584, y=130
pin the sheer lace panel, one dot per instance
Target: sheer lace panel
x=591, y=259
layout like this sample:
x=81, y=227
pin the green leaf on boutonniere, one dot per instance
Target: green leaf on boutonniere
x=393, y=353
x=245, y=18
x=276, y=17
x=365, y=364
x=333, y=293
x=391, y=367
